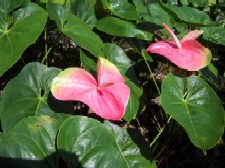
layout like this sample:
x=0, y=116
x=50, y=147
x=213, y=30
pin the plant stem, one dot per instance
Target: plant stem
x=160, y=132
x=46, y=49
x=151, y=73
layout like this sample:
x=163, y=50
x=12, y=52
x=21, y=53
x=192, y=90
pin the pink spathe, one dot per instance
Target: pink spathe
x=187, y=53
x=107, y=97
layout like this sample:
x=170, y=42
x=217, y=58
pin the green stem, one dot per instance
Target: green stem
x=160, y=132
x=46, y=48
x=151, y=73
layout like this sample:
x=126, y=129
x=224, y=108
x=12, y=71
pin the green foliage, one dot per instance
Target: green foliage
x=32, y=139
x=122, y=9
x=73, y=27
x=27, y=94
x=37, y=129
x=18, y=30
x=118, y=27
x=90, y=143
x=189, y=102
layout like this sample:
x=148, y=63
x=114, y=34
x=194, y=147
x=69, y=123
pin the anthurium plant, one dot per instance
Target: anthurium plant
x=108, y=83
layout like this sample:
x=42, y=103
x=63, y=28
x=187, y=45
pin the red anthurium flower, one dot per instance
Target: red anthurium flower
x=186, y=53
x=107, y=97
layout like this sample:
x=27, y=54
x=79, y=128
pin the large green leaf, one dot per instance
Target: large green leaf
x=122, y=9
x=194, y=105
x=73, y=27
x=28, y=95
x=18, y=30
x=117, y=27
x=131, y=139
x=31, y=143
x=84, y=142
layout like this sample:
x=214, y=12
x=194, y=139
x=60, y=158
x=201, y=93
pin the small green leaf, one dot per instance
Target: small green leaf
x=81, y=9
x=28, y=95
x=18, y=31
x=73, y=27
x=118, y=27
x=117, y=56
x=210, y=73
x=134, y=101
x=153, y=12
x=194, y=105
x=189, y=15
x=84, y=142
x=214, y=34
x=122, y=9
x=88, y=62
x=31, y=143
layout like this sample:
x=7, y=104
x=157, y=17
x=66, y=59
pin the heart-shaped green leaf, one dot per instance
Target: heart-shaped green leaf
x=31, y=143
x=122, y=9
x=194, y=105
x=28, y=95
x=73, y=27
x=18, y=31
x=118, y=27
x=88, y=143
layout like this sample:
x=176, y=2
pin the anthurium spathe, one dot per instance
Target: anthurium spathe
x=186, y=53
x=107, y=97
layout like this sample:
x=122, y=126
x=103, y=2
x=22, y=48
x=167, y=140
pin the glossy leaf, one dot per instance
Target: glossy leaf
x=189, y=15
x=73, y=27
x=31, y=143
x=194, y=105
x=82, y=9
x=133, y=139
x=134, y=101
x=118, y=27
x=107, y=97
x=8, y=6
x=122, y=9
x=153, y=12
x=84, y=142
x=214, y=34
x=18, y=30
x=28, y=95
x=117, y=56
x=88, y=62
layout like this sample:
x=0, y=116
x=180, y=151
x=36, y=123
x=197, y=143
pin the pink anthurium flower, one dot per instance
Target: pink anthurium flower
x=107, y=97
x=186, y=53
